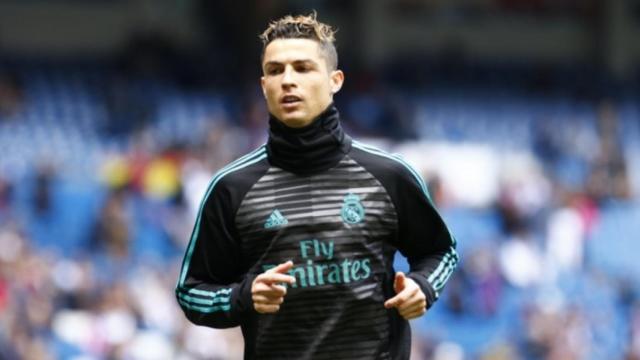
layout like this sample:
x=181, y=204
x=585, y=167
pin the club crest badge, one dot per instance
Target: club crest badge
x=352, y=210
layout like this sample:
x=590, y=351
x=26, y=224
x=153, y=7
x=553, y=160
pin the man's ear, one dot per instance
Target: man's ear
x=337, y=79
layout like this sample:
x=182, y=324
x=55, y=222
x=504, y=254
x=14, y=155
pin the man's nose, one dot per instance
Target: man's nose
x=288, y=77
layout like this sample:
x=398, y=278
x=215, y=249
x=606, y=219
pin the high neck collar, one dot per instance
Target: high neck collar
x=310, y=149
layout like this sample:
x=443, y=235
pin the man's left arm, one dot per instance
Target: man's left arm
x=425, y=240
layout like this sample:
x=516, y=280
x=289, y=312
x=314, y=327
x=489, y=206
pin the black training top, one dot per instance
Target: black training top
x=339, y=210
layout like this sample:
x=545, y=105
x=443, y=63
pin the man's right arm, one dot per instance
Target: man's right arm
x=213, y=288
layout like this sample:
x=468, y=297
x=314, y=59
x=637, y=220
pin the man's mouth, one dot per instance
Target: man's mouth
x=290, y=99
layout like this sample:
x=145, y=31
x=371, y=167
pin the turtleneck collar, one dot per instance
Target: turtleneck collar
x=316, y=147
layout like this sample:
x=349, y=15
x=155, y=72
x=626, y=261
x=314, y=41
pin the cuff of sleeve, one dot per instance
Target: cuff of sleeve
x=427, y=289
x=242, y=298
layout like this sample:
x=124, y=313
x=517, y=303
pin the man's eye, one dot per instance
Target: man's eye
x=273, y=71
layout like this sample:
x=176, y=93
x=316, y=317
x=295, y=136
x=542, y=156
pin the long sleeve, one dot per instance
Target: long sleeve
x=214, y=287
x=423, y=237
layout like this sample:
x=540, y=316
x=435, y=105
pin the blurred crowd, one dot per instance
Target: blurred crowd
x=110, y=297
x=535, y=283
x=528, y=289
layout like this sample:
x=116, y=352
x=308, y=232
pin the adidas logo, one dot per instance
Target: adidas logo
x=275, y=220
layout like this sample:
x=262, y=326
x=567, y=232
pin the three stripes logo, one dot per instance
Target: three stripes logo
x=275, y=220
x=205, y=301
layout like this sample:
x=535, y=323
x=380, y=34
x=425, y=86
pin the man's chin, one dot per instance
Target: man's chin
x=294, y=120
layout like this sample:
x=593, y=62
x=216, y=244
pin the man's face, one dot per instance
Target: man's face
x=296, y=81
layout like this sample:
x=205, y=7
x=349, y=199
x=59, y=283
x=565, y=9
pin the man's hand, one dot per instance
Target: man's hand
x=410, y=301
x=267, y=295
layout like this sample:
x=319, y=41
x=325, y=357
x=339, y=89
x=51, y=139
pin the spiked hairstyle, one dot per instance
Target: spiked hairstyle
x=303, y=27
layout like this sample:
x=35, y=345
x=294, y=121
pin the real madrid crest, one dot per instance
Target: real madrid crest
x=352, y=210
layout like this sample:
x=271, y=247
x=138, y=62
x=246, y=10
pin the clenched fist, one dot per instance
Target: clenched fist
x=266, y=292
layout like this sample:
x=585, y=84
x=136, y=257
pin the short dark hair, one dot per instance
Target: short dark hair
x=303, y=27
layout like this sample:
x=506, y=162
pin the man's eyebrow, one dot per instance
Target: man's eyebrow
x=295, y=62
x=272, y=63
x=304, y=62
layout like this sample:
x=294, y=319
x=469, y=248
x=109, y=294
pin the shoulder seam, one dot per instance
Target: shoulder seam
x=375, y=151
x=236, y=162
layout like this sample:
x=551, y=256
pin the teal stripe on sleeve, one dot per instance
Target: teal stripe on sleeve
x=209, y=293
x=194, y=300
x=438, y=270
x=221, y=296
x=202, y=309
x=442, y=279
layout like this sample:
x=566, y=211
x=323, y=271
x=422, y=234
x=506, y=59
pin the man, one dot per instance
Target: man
x=295, y=241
